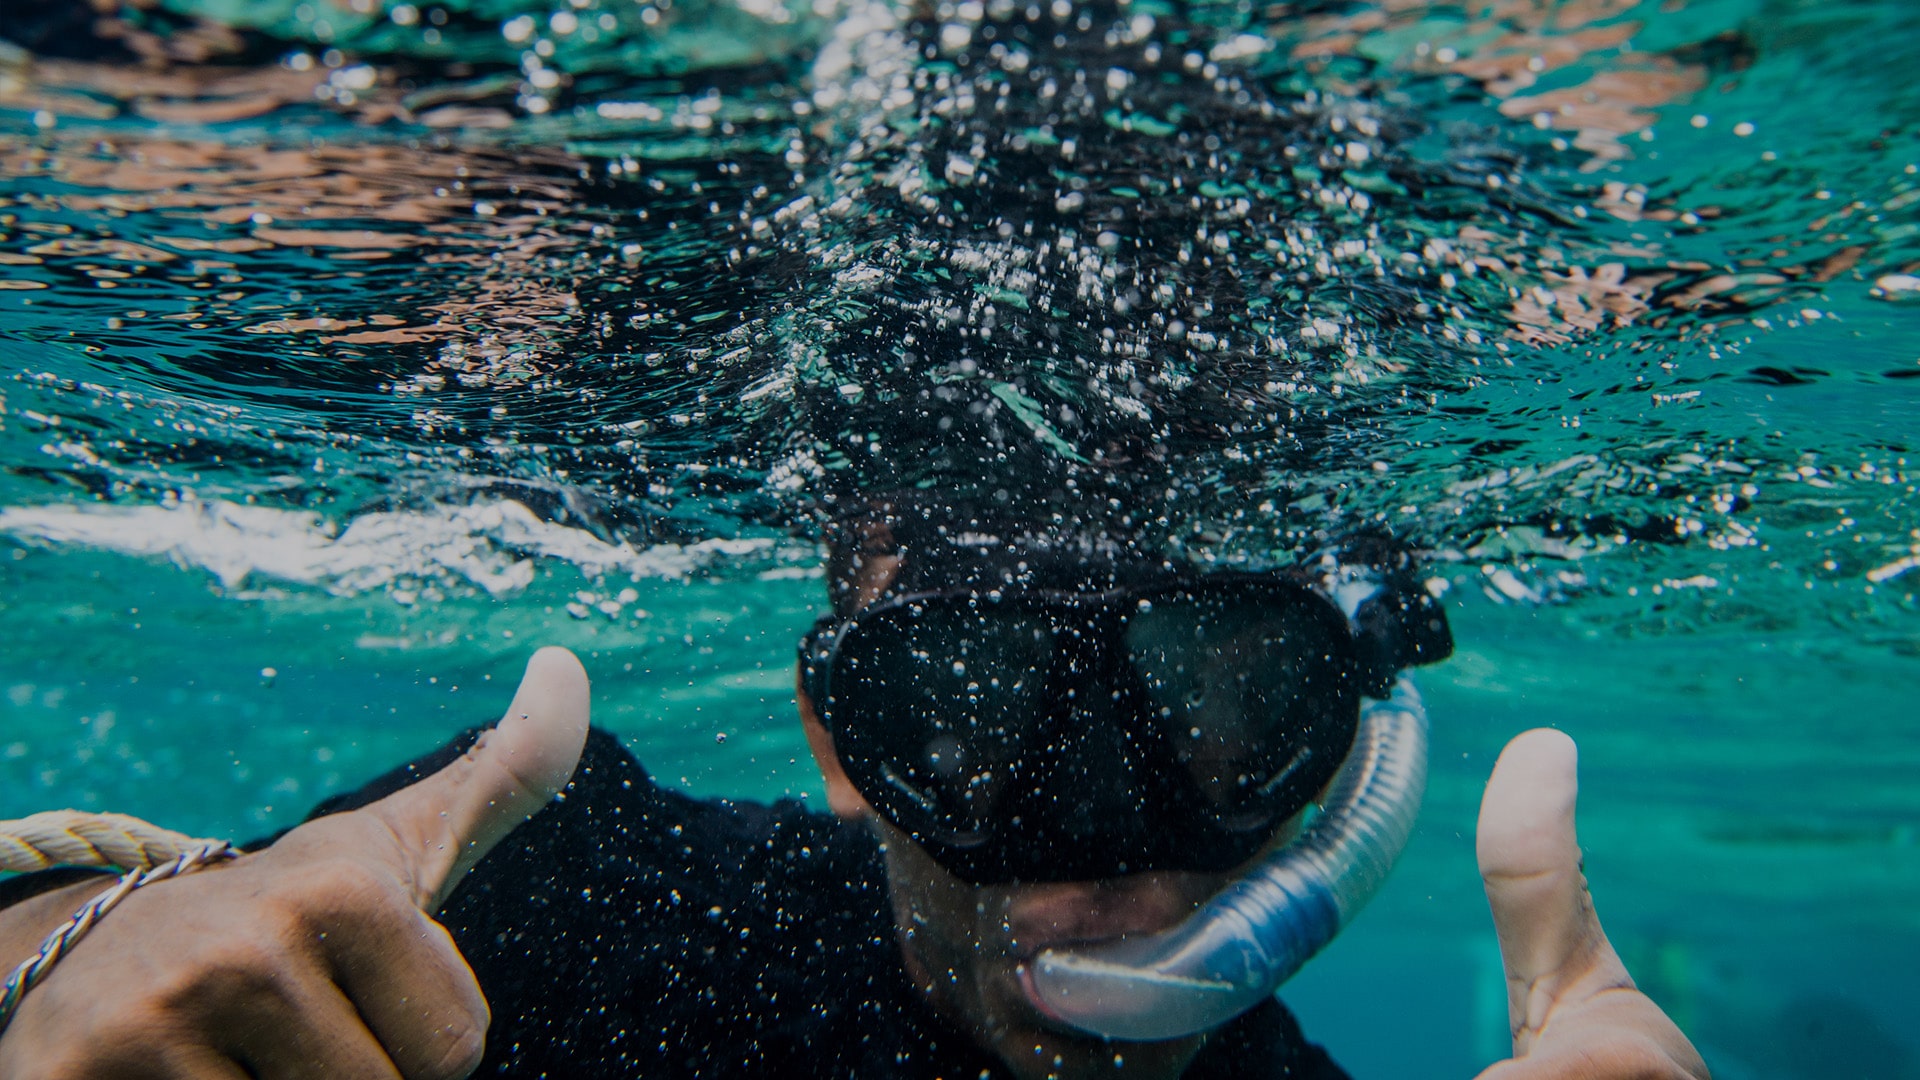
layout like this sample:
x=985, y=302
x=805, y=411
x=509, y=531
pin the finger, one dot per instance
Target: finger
x=186, y=1062
x=1530, y=863
x=450, y=820
x=157, y=1059
x=415, y=993
x=1609, y=1052
x=307, y=1030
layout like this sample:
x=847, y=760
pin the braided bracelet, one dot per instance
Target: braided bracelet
x=61, y=941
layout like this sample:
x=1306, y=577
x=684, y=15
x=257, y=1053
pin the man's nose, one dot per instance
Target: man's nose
x=1098, y=770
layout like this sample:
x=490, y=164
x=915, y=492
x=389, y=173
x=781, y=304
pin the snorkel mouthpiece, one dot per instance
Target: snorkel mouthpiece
x=1241, y=945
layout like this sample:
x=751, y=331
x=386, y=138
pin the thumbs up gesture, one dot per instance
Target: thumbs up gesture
x=1576, y=1014
x=318, y=957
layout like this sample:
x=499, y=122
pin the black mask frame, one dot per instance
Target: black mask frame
x=1085, y=753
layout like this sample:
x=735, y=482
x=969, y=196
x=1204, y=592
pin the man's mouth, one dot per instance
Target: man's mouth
x=1036, y=1006
x=1024, y=957
x=1081, y=916
x=1084, y=916
x=1027, y=946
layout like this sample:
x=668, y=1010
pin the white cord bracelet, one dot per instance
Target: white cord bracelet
x=69, y=838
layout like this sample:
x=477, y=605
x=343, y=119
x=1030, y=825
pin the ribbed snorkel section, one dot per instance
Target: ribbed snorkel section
x=1239, y=947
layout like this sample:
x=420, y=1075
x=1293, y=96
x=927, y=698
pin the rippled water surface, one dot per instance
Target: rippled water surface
x=353, y=348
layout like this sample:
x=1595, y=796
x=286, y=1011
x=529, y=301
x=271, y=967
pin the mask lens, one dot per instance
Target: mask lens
x=1248, y=688
x=934, y=703
x=1055, y=737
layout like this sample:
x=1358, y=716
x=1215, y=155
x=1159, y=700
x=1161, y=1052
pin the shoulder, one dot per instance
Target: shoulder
x=628, y=924
x=1264, y=1042
x=617, y=840
x=612, y=815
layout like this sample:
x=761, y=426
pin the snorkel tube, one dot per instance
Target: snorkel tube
x=1241, y=945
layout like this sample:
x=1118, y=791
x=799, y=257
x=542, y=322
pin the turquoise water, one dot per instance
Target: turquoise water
x=349, y=356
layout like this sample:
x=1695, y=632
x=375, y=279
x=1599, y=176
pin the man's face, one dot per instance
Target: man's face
x=965, y=944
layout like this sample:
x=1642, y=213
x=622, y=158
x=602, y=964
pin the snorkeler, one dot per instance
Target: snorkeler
x=1034, y=747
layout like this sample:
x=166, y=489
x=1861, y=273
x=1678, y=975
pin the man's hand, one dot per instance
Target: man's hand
x=1576, y=1014
x=317, y=957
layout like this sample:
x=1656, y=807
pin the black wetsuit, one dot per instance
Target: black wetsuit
x=633, y=931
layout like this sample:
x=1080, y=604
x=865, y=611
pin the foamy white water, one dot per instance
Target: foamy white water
x=494, y=545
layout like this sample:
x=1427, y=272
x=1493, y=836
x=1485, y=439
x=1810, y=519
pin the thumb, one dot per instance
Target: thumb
x=449, y=821
x=1530, y=863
